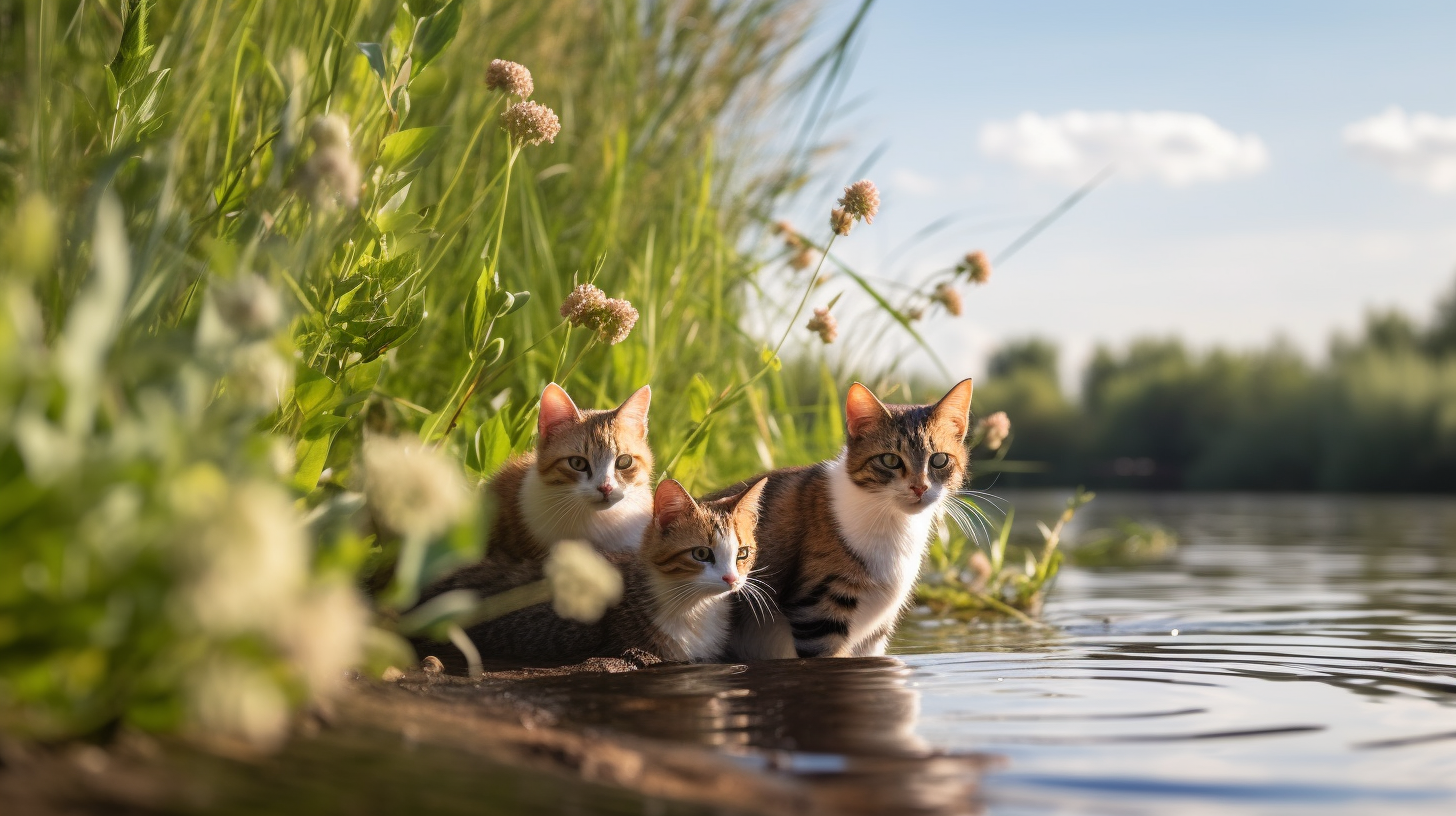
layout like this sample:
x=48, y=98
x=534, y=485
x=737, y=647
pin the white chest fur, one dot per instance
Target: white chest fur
x=699, y=633
x=888, y=540
x=558, y=515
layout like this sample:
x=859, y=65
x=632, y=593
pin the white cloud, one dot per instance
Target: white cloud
x=1175, y=148
x=1416, y=147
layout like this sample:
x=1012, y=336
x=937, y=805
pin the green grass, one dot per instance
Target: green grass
x=197, y=338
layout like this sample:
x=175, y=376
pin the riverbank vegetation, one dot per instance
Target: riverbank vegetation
x=281, y=282
x=1377, y=415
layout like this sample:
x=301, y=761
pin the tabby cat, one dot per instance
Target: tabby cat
x=843, y=540
x=590, y=478
x=693, y=558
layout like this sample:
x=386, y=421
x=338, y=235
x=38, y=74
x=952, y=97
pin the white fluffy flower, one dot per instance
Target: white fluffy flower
x=325, y=637
x=415, y=490
x=260, y=377
x=248, y=304
x=249, y=561
x=231, y=699
x=583, y=583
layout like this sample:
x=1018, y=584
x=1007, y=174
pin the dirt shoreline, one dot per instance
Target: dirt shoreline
x=427, y=740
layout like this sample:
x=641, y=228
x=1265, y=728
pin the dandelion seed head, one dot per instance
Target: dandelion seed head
x=414, y=490
x=511, y=77
x=583, y=583
x=803, y=259
x=323, y=639
x=260, y=377
x=232, y=699
x=949, y=297
x=823, y=324
x=531, y=123
x=995, y=428
x=861, y=200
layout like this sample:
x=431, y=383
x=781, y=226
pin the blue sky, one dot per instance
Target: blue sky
x=1296, y=239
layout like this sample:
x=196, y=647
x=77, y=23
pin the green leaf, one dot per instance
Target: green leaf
x=521, y=299
x=409, y=150
x=314, y=393
x=491, y=446
x=315, y=439
x=700, y=398
x=435, y=32
x=375, y=53
x=133, y=55
x=361, y=378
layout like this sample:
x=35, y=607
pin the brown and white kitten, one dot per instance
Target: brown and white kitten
x=842, y=541
x=694, y=557
x=589, y=479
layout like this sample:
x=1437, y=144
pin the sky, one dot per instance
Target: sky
x=1281, y=168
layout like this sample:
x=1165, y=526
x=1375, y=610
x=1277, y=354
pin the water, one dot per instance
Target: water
x=1313, y=670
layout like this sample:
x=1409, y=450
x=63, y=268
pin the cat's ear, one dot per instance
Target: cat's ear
x=632, y=414
x=670, y=503
x=747, y=505
x=557, y=410
x=862, y=410
x=955, y=407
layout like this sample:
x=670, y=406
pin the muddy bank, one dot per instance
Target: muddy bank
x=604, y=737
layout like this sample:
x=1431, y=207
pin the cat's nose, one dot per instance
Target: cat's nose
x=730, y=579
x=606, y=490
x=918, y=490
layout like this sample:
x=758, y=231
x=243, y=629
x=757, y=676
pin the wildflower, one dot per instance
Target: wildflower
x=248, y=304
x=803, y=259
x=824, y=325
x=949, y=297
x=792, y=241
x=246, y=563
x=583, y=584
x=840, y=221
x=413, y=489
x=231, y=699
x=324, y=638
x=994, y=429
x=611, y=318
x=260, y=377
x=530, y=123
x=976, y=266
x=914, y=314
x=861, y=200
x=330, y=174
x=511, y=77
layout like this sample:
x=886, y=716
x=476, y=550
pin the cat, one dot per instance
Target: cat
x=590, y=479
x=693, y=558
x=842, y=540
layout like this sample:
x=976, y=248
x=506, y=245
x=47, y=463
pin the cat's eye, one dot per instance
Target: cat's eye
x=890, y=461
x=624, y=461
x=939, y=460
x=742, y=553
x=703, y=554
x=578, y=463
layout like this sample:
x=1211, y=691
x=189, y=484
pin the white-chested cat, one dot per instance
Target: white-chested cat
x=841, y=542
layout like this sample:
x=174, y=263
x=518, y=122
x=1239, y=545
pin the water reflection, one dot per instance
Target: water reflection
x=846, y=728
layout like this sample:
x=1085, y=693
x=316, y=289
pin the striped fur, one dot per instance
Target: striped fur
x=842, y=541
x=674, y=605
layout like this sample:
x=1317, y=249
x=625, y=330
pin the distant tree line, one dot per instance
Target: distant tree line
x=1379, y=414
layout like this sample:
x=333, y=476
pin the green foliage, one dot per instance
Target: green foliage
x=1376, y=416
x=212, y=300
x=1125, y=543
x=962, y=579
